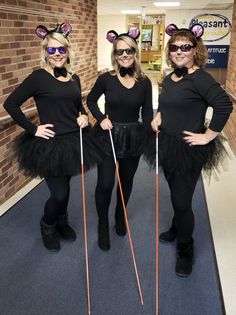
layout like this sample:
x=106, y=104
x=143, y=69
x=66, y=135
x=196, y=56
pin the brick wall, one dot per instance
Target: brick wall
x=19, y=56
x=230, y=128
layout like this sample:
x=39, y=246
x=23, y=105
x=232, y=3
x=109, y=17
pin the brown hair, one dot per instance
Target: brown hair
x=201, y=51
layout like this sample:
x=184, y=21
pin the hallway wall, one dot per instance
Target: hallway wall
x=19, y=56
x=230, y=129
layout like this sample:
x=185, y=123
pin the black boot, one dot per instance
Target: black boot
x=184, y=257
x=64, y=229
x=120, y=226
x=50, y=236
x=168, y=236
x=103, y=236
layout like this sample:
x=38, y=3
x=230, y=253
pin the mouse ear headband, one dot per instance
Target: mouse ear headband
x=133, y=32
x=197, y=30
x=64, y=29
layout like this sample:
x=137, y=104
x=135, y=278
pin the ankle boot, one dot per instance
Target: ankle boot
x=168, y=236
x=103, y=236
x=184, y=261
x=50, y=236
x=120, y=226
x=64, y=229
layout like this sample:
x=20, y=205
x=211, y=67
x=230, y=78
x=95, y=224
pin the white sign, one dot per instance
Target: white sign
x=216, y=26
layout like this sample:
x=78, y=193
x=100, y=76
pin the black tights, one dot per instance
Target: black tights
x=105, y=184
x=182, y=189
x=56, y=205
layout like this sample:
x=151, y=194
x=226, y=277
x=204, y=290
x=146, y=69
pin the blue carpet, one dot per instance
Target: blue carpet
x=36, y=282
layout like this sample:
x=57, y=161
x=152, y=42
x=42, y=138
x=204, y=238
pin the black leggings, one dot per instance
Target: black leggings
x=182, y=189
x=56, y=205
x=105, y=184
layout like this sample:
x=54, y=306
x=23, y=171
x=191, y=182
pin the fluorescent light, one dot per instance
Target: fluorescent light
x=166, y=4
x=130, y=11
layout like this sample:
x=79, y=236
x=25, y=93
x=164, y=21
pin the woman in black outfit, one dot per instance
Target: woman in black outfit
x=52, y=149
x=127, y=92
x=185, y=144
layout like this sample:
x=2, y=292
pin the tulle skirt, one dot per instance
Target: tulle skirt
x=175, y=156
x=58, y=156
x=127, y=139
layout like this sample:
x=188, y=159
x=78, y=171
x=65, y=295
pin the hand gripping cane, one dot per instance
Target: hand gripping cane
x=85, y=224
x=126, y=219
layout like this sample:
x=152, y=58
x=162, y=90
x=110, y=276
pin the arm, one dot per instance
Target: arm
x=216, y=97
x=82, y=120
x=147, y=111
x=13, y=102
x=92, y=100
x=81, y=107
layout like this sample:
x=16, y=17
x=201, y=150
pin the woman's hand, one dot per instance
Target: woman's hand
x=106, y=124
x=156, y=122
x=82, y=121
x=43, y=131
x=199, y=138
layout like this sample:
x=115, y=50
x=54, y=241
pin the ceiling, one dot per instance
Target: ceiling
x=113, y=7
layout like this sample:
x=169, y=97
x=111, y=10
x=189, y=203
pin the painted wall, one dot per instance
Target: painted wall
x=105, y=24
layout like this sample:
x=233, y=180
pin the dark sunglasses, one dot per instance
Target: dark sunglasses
x=51, y=50
x=129, y=51
x=184, y=47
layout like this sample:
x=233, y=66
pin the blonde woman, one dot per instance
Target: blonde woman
x=52, y=149
x=127, y=93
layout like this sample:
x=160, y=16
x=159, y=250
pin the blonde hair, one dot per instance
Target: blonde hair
x=138, y=73
x=201, y=55
x=70, y=67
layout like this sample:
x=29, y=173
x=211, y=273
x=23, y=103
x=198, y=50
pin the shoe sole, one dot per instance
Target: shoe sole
x=119, y=234
x=182, y=275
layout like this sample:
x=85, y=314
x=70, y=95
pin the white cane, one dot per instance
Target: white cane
x=85, y=224
x=126, y=219
x=157, y=247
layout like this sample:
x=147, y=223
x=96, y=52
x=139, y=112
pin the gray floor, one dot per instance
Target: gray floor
x=36, y=282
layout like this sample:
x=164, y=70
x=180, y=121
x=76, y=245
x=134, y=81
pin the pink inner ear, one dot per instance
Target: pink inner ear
x=197, y=30
x=134, y=32
x=111, y=37
x=66, y=28
x=171, y=28
x=41, y=31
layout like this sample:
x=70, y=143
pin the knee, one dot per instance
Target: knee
x=180, y=204
x=61, y=197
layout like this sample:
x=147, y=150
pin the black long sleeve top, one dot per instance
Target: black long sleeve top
x=183, y=104
x=57, y=102
x=122, y=104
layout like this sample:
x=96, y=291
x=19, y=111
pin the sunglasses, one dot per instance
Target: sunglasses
x=51, y=50
x=129, y=51
x=184, y=47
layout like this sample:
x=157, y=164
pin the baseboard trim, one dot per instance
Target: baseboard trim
x=7, y=205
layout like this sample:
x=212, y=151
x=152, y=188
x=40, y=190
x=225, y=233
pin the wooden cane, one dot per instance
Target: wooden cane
x=85, y=224
x=126, y=219
x=157, y=228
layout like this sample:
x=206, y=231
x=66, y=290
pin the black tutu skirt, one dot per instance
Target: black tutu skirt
x=175, y=156
x=127, y=139
x=58, y=156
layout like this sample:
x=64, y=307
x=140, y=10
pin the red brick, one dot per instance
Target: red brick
x=13, y=81
x=7, y=75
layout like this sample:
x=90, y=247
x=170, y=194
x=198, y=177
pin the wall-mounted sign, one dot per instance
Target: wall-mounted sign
x=216, y=26
x=217, y=56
